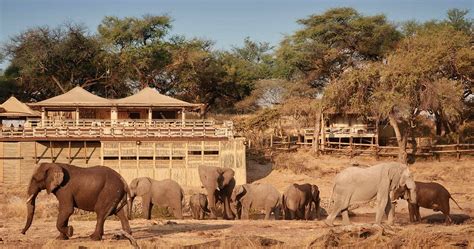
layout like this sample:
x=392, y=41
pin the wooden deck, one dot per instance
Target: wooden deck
x=118, y=129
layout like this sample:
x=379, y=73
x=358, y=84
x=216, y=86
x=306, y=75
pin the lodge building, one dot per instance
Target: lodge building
x=146, y=134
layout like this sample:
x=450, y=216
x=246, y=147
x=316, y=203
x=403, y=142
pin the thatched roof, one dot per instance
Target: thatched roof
x=149, y=97
x=15, y=108
x=77, y=97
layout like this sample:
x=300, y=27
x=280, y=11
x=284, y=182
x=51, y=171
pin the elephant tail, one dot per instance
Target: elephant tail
x=126, y=200
x=455, y=202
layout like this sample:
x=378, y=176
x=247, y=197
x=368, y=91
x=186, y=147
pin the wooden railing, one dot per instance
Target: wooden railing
x=118, y=128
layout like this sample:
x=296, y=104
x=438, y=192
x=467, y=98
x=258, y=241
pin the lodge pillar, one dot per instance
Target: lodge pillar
x=183, y=115
x=43, y=117
x=113, y=115
x=77, y=116
x=150, y=115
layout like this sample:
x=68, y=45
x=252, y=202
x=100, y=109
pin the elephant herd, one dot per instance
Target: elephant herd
x=102, y=190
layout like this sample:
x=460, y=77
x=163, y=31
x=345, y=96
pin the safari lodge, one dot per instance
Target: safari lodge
x=146, y=134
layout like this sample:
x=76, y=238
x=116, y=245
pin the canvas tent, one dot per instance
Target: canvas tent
x=149, y=97
x=76, y=97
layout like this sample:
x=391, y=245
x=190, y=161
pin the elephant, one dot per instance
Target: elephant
x=219, y=183
x=430, y=195
x=165, y=193
x=297, y=201
x=96, y=189
x=198, y=205
x=257, y=196
x=355, y=185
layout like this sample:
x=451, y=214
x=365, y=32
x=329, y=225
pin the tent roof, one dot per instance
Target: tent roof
x=152, y=98
x=15, y=108
x=75, y=97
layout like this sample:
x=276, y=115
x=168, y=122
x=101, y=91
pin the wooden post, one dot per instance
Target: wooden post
x=171, y=159
x=235, y=153
x=271, y=140
x=350, y=145
x=458, y=154
x=377, y=139
x=85, y=152
x=154, y=160
x=36, y=157
x=102, y=153
x=77, y=117
x=202, y=152
x=69, y=152
x=150, y=115
x=323, y=133
x=137, y=156
x=289, y=141
x=43, y=117
x=51, y=150
x=186, y=164
x=120, y=157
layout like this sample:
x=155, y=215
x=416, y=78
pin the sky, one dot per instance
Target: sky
x=225, y=22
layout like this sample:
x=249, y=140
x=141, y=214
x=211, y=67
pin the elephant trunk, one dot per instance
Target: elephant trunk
x=30, y=203
x=130, y=206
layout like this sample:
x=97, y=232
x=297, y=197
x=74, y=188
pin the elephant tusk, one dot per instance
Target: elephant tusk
x=30, y=198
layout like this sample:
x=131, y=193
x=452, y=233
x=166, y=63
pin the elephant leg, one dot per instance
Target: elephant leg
x=146, y=207
x=382, y=200
x=245, y=211
x=445, y=210
x=122, y=215
x=307, y=215
x=390, y=212
x=227, y=211
x=411, y=212
x=345, y=217
x=99, y=227
x=340, y=203
x=277, y=213
x=292, y=214
x=65, y=211
x=212, y=203
x=417, y=213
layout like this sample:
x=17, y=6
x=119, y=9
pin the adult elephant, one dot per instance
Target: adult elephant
x=219, y=182
x=257, y=196
x=356, y=185
x=165, y=193
x=96, y=189
x=297, y=201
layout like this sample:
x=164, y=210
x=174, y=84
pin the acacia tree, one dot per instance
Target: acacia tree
x=140, y=46
x=47, y=61
x=330, y=43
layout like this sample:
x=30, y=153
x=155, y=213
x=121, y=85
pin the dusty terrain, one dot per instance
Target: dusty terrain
x=456, y=176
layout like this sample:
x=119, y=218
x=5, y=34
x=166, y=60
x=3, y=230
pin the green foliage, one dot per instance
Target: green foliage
x=331, y=42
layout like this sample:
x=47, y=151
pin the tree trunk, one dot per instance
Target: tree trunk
x=401, y=138
x=317, y=130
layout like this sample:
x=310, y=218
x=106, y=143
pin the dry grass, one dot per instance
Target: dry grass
x=456, y=176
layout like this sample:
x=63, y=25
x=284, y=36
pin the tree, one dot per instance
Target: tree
x=140, y=45
x=330, y=43
x=458, y=20
x=64, y=56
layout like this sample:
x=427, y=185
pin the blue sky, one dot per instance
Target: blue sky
x=223, y=21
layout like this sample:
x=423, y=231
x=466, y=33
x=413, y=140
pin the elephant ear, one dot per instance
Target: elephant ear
x=240, y=191
x=54, y=177
x=143, y=186
x=394, y=176
x=315, y=192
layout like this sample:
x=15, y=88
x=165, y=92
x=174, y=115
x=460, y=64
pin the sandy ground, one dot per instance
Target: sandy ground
x=456, y=176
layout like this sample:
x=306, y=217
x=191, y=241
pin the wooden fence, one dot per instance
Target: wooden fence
x=364, y=146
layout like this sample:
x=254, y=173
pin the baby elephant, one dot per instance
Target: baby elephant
x=256, y=196
x=165, y=193
x=429, y=195
x=198, y=205
x=298, y=199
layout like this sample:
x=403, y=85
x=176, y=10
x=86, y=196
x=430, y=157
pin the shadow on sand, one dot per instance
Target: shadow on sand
x=440, y=218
